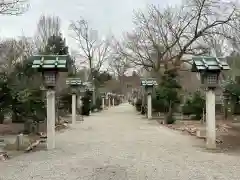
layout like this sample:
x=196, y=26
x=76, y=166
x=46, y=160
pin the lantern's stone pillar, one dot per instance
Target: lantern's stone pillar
x=149, y=104
x=50, y=119
x=109, y=102
x=113, y=101
x=103, y=101
x=74, y=109
x=210, y=120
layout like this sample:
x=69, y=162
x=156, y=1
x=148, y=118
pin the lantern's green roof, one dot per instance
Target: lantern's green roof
x=74, y=81
x=149, y=82
x=209, y=64
x=58, y=62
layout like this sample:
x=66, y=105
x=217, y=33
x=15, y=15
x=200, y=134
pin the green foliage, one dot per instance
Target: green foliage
x=159, y=104
x=56, y=45
x=5, y=96
x=99, y=79
x=167, y=93
x=65, y=100
x=99, y=103
x=194, y=105
x=233, y=89
x=117, y=101
x=21, y=95
x=170, y=119
x=143, y=109
x=86, y=103
x=138, y=105
x=30, y=104
x=232, y=93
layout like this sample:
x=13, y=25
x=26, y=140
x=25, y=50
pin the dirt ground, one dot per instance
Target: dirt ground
x=228, y=133
x=11, y=129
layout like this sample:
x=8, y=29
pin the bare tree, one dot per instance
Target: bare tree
x=118, y=63
x=47, y=26
x=13, y=7
x=92, y=50
x=119, y=66
x=13, y=51
x=162, y=38
x=217, y=45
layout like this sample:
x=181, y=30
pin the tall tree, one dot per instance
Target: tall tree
x=92, y=50
x=47, y=27
x=117, y=62
x=56, y=45
x=163, y=37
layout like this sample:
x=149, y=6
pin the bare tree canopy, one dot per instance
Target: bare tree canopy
x=92, y=50
x=13, y=7
x=118, y=63
x=47, y=26
x=13, y=51
x=163, y=37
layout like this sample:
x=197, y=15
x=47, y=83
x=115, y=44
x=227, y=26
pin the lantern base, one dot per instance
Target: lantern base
x=207, y=87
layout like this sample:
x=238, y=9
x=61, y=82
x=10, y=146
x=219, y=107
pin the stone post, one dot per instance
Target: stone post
x=103, y=101
x=109, y=101
x=50, y=119
x=149, y=104
x=74, y=109
x=210, y=120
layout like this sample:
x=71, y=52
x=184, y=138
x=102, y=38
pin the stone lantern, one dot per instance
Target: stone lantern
x=148, y=85
x=50, y=66
x=91, y=89
x=108, y=96
x=74, y=83
x=82, y=90
x=113, y=99
x=210, y=69
x=103, y=95
x=226, y=103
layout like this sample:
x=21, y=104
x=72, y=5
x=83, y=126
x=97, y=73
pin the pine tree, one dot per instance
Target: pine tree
x=56, y=45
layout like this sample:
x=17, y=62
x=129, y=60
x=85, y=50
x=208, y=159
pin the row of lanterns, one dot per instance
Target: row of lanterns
x=50, y=66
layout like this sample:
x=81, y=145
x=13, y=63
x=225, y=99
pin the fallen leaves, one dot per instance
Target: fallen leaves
x=193, y=129
x=32, y=146
x=3, y=156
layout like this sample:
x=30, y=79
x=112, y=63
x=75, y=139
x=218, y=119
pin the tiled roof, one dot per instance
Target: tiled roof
x=149, y=82
x=73, y=81
x=209, y=63
x=50, y=62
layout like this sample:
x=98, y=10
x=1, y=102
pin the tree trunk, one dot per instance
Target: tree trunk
x=1, y=118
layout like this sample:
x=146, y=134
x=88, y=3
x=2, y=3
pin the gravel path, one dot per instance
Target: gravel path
x=117, y=144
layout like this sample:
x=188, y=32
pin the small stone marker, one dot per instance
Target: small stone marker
x=19, y=141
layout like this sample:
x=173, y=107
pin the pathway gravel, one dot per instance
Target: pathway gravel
x=118, y=144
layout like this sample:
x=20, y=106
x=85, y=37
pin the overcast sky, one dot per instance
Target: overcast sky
x=106, y=16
